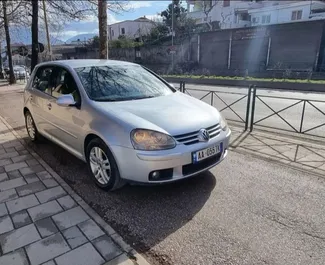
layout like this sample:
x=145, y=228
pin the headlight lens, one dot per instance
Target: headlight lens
x=143, y=139
x=223, y=123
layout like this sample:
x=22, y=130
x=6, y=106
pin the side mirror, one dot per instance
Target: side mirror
x=66, y=100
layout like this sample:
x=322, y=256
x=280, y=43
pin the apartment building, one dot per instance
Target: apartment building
x=246, y=13
x=130, y=28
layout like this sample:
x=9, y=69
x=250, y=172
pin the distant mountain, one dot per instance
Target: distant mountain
x=82, y=37
x=20, y=35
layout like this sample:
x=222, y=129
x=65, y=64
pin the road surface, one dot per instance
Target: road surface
x=246, y=211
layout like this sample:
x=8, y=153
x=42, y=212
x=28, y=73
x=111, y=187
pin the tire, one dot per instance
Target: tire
x=97, y=153
x=31, y=131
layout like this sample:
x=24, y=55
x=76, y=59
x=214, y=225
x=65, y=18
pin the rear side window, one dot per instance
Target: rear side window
x=44, y=80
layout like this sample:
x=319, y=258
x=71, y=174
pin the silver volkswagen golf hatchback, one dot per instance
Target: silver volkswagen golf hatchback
x=124, y=121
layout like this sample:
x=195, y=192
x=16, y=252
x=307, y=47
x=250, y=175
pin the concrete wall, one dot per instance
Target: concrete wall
x=256, y=51
x=293, y=45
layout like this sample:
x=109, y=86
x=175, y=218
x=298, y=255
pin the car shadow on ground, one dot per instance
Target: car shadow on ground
x=143, y=215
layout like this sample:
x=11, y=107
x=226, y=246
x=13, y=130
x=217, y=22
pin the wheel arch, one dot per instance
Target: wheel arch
x=89, y=138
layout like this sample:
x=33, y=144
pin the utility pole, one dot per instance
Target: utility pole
x=1, y=65
x=102, y=21
x=12, y=78
x=172, y=36
x=47, y=31
x=34, y=58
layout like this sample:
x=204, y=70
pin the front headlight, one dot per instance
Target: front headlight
x=223, y=123
x=143, y=139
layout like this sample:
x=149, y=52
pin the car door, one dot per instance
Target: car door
x=66, y=123
x=39, y=95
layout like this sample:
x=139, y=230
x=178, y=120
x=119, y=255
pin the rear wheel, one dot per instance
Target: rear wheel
x=31, y=127
x=102, y=166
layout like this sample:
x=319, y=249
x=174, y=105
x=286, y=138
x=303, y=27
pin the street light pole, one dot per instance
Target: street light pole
x=47, y=31
x=172, y=51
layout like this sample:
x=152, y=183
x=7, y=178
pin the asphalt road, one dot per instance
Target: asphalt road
x=245, y=211
x=312, y=116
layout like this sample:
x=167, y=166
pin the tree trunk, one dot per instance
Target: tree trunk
x=12, y=78
x=34, y=59
x=1, y=68
x=102, y=20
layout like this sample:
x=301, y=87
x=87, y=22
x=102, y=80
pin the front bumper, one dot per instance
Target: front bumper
x=136, y=165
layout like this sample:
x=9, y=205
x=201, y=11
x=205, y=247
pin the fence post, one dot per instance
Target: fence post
x=302, y=116
x=183, y=87
x=253, y=108
x=248, y=106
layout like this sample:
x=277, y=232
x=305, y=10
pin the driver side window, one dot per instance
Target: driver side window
x=43, y=80
x=66, y=85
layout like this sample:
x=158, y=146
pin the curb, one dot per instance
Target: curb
x=131, y=256
x=290, y=86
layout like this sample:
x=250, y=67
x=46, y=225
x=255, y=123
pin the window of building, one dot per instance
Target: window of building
x=122, y=31
x=296, y=15
x=255, y=20
x=226, y=2
x=266, y=19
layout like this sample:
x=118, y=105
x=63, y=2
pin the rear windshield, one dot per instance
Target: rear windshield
x=121, y=82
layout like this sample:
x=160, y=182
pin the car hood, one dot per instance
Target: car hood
x=175, y=114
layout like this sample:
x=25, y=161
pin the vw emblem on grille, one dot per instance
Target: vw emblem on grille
x=204, y=135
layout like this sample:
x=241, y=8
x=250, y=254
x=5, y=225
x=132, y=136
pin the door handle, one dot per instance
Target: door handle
x=49, y=105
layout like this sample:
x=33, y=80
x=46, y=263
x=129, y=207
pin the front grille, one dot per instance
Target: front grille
x=192, y=137
x=192, y=168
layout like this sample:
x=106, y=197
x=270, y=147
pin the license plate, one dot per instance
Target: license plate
x=206, y=153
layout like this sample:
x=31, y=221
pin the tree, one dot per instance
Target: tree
x=12, y=78
x=60, y=12
x=157, y=34
x=183, y=26
x=102, y=26
x=179, y=12
x=208, y=5
x=34, y=59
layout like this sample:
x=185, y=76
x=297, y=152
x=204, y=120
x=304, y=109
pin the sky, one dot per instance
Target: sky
x=136, y=9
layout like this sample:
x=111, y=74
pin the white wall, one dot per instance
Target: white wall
x=280, y=11
x=281, y=14
x=133, y=29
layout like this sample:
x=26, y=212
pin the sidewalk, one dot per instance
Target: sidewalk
x=43, y=221
x=292, y=151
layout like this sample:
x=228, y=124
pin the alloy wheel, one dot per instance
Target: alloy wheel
x=100, y=165
x=31, y=130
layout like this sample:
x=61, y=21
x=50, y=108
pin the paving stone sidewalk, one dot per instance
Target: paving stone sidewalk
x=43, y=221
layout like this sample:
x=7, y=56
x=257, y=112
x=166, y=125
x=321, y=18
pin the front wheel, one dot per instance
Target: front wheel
x=31, y=127
x=102, y=166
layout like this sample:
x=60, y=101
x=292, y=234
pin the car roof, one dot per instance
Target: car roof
x=85, y=63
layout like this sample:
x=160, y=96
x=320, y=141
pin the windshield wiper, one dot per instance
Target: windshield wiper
x=107, y=99
x=121, y=99
x=144, y=97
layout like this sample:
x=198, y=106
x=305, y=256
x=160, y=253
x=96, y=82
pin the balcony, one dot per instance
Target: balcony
x=242, y=24
x=198, y=16
x=319, y=15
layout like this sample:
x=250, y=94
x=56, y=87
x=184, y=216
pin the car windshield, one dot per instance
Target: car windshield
x=121, y=82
